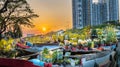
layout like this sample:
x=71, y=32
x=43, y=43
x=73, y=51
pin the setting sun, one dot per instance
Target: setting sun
x=44, y=29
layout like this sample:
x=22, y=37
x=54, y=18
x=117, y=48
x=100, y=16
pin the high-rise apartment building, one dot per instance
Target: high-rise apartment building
x=100, y=12
x=82, y=13
x=86, y=12
x=113, y=10
x=95, y=14
x=109, y=10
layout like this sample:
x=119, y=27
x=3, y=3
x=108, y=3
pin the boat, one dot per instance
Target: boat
x=19, y=45
x=89, y=58
x=25, y=52
x=94, y=59
x=35, y=49
x=45, y=44
x=80, y=51
x=102, y=59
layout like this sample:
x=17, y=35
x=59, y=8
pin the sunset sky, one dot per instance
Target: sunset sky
x=53, y=15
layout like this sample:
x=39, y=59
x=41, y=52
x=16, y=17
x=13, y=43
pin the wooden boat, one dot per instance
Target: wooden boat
x=27, y=53
x=91, y=58
x=94, y=50
x=45, y=44
x=80, y=52
x=24, y=51
x=22, y=46
x=100, y=59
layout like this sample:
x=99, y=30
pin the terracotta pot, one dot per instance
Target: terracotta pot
x=100, y=48
x=86, y=48
x=73, y=49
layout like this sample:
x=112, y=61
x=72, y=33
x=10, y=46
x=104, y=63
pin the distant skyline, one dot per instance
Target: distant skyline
x=53, y=15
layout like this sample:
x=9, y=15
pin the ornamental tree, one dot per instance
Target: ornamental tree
x=13, y=15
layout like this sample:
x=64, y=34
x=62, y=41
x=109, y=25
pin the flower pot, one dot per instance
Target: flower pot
x=85, y=48
x=100, y=48
x=73, y=49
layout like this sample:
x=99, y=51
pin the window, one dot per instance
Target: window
x=79, y=5
x=79, y=0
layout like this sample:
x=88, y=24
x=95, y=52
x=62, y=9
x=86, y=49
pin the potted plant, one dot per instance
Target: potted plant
x=66, y=42
x=66, y=47
x=74, y=44
x=89, y=46
x=79, y=46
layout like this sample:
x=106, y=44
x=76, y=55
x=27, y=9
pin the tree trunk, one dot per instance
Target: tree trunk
x=0, y=36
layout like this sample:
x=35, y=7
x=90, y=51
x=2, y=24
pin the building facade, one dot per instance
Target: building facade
x=108, y=10
x=100, y=12
x=95, y=14
x=82, y=12
x=87, y=12
x=113, y=10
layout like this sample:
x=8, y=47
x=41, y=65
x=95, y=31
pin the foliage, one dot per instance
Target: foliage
x=89, y=44
x=6, y=45
x=79, y=33
x=111, y=35
x=45, y=51
x=7, y=48
x=18, y=14
x=94, y=34
x=54, y=56
x=60, y=38
x=46, y=55
x=54, y=37
x=4, y=6
x=38, y=39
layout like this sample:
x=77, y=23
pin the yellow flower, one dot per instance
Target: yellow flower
x=74, y=43
x=3, y=42
x=8, y=48
x=6, y=44
x=48, y=56
x=10, y=41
